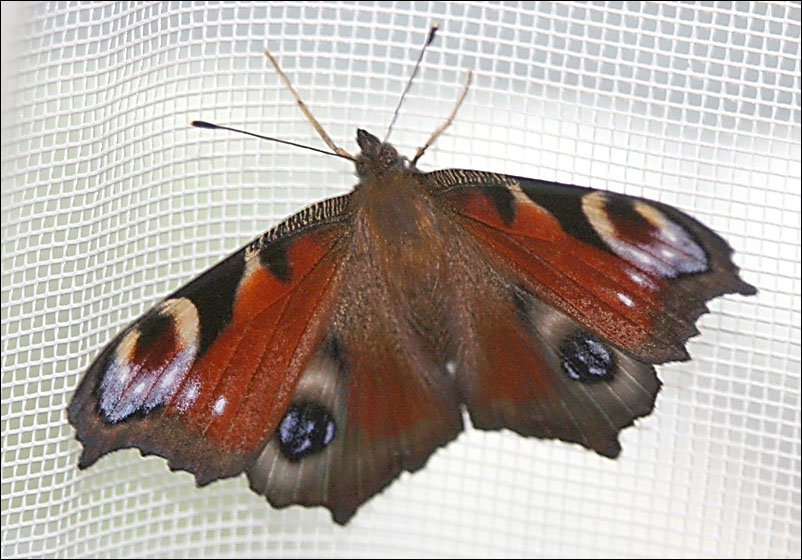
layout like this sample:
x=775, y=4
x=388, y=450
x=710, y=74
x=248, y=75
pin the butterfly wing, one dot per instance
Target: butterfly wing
x=272, y=363
x=588, y=290
x=204, y=377
x=377, y=388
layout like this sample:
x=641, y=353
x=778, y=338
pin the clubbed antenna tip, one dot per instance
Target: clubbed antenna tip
x=203, y=124
x=432, y=32
x=428, y=42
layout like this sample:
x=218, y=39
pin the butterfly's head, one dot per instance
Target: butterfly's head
x=377, y=157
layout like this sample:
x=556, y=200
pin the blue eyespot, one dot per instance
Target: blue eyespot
x=307, y=428
x=586, y=358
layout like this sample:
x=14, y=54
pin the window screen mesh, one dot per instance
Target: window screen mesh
x=110, y=201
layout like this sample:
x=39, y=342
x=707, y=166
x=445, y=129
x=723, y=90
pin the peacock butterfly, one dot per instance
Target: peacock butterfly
x=339, y=348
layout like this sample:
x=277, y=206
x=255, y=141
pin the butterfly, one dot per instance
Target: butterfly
x=340, y=348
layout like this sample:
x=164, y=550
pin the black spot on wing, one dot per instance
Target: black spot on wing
x=503, y=200
x=213, y=294
x=275, y=257
x=564, y=202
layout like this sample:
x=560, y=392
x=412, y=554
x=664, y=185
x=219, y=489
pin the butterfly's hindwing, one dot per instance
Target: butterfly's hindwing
x=389, y=399
x=532, y=369
x=524, y=365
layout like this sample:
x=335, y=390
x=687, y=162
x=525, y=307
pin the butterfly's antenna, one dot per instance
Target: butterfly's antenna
x=204, y=124
x=329, y=142
x=428, y=42
x=443, y=126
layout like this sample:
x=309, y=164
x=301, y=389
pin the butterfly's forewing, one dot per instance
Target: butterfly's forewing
x=637, y=272
x=589, y=289
x=204, y=377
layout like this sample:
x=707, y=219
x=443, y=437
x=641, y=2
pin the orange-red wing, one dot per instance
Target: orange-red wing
x=204, y=377
x=635, y=272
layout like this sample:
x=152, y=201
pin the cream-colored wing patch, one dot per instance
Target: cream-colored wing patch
x=150, y=361
x=643, y=236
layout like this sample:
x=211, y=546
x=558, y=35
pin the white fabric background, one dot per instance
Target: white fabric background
x=110, y=201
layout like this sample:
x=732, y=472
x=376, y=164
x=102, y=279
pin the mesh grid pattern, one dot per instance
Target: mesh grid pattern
x=110, y=201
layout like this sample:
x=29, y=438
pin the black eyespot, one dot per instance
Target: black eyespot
x=307, y=428
x=586, y=358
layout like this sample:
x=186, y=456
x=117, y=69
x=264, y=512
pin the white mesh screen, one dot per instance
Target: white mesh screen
x=110, y=201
